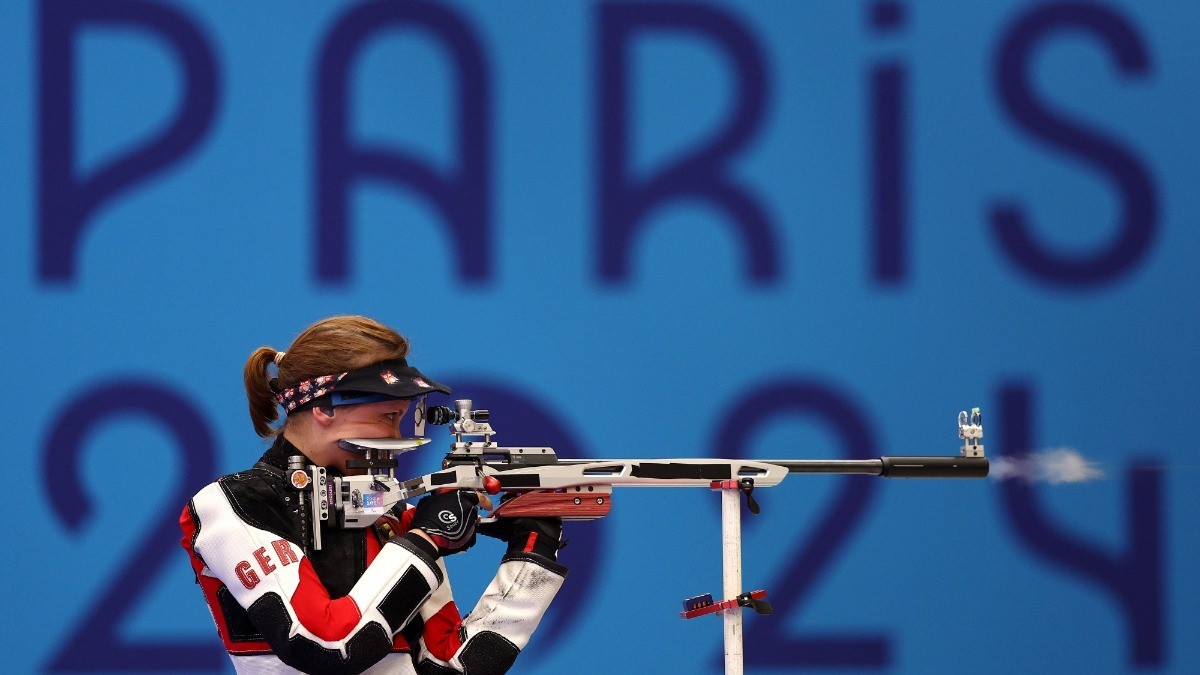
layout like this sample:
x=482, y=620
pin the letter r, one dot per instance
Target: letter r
x=284, y=552
x=701, y=174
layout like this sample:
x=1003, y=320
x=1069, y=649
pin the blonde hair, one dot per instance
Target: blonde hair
x=329, y=346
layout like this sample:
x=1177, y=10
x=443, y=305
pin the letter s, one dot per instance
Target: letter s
x=1140, y=213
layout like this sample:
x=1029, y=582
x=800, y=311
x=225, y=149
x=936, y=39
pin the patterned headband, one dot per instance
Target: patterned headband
x=307, y=391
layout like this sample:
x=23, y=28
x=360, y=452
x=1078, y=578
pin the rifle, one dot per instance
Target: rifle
x=568, y=488
x=548, y=486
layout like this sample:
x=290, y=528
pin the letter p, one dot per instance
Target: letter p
x=66, y=200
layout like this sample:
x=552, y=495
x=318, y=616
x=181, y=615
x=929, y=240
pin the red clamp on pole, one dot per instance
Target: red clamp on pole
x=703, y=604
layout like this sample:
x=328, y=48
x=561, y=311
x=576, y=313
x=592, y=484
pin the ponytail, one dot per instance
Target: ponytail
x=258, y=391
x=332, y=345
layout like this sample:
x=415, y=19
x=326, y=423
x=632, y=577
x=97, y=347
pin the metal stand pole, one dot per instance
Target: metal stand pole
x=731, y=574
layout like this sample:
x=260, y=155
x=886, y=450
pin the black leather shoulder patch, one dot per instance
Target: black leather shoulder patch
x=413, y=631
x=260, y=499
x=237, y=621
x=404, y=598
x=487, y=652
x=368, y=646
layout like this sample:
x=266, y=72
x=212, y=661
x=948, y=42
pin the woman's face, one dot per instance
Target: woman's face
x=370, y=420
x=366, y=420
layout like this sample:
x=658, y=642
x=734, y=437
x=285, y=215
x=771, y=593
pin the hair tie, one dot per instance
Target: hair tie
x=278, y=358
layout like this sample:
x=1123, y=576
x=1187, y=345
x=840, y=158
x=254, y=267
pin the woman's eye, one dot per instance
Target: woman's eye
x=391, y=416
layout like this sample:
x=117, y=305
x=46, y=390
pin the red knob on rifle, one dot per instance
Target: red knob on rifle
x=491, y=485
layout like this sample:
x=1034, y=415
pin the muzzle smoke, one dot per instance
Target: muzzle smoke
x=1055, y=466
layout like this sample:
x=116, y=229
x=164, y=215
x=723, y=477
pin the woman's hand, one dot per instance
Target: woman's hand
x=447, y=520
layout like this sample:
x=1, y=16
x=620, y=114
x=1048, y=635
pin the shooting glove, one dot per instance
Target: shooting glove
x=449, y=519
x=541, y=536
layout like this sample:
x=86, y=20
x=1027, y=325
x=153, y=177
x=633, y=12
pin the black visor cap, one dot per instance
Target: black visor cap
x=394, y=378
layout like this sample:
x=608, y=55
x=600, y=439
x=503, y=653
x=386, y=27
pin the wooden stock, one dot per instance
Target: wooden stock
x=571, y=504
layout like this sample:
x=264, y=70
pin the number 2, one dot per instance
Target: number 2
x=96, y=643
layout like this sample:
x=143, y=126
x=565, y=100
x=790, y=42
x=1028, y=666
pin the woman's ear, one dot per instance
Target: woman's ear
x=323, y=415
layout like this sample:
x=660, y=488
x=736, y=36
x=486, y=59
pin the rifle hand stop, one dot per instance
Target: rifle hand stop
x=745, y=486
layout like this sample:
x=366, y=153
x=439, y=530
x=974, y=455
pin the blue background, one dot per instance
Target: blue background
x=803, y=291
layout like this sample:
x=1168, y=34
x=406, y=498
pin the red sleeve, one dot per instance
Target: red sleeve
x=441, y=634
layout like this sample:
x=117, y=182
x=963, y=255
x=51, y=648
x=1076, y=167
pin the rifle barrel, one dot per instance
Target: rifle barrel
x=893, y=467
x=888, y=467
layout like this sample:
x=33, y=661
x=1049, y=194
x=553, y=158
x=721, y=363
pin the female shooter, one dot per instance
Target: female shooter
x=370, y=600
